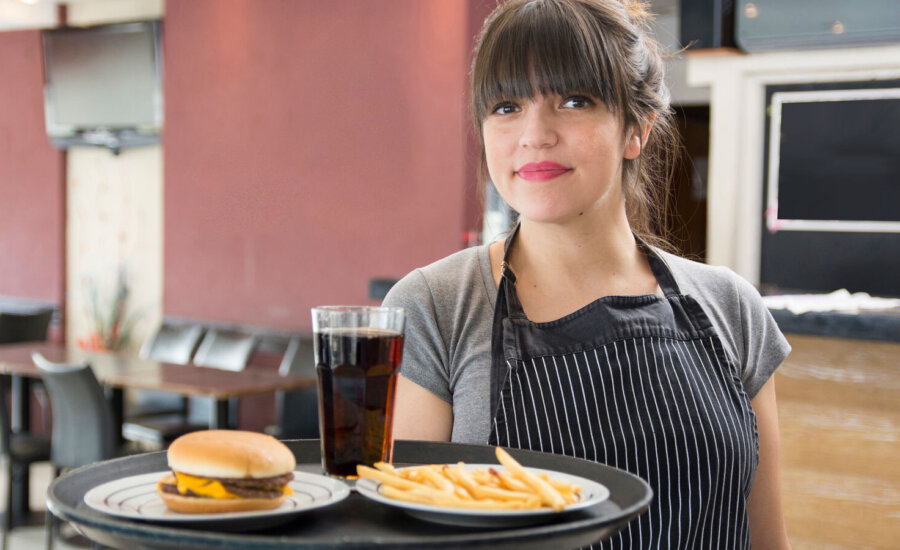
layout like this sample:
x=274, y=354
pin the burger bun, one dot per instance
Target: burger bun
x=230, y=454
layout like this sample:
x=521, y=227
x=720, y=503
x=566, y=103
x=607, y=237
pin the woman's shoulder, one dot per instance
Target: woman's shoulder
x=709, y=282
x=736, y=310
x=467, y=260
x=462, y=273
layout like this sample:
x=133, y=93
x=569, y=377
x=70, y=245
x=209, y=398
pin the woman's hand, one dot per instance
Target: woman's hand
x=767, y=529
x=419, y=414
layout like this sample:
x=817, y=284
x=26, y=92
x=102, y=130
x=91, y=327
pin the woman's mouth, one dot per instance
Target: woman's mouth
x=541, y=171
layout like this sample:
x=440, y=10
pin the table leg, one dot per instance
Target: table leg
x=19, y=510
x=116, y=398
x=20, y=419
x=218, y=420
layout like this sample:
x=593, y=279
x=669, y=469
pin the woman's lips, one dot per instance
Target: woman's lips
x=541, y=171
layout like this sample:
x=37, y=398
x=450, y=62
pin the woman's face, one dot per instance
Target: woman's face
x=554, y=158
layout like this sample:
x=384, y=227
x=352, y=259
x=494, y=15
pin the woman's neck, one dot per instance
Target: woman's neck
x=562, y=267
x=577, y=248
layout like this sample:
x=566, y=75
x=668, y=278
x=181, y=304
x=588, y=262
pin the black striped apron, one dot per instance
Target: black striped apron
x=641, y=383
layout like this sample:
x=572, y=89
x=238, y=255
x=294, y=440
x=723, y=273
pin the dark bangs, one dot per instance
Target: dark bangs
x=546, y=48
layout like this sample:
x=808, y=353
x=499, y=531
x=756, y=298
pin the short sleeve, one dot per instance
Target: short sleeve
x=424, y=351
x=764, y=346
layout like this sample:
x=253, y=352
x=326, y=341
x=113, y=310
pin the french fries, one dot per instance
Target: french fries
x=549, y=495
x=514, y=488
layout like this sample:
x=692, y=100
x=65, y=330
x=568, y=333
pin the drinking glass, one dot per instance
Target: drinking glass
x=358, y=350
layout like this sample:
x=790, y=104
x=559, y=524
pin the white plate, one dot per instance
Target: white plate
x=592, y=493
x=135, y=497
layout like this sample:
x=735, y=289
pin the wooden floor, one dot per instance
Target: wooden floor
x=839, y=413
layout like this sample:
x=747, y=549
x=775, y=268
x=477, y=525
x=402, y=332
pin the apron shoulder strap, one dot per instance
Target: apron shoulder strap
x=498, y=367
x=513, y=307
x=660, y=270
x=506, y=306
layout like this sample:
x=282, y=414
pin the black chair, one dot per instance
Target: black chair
x=83, y=428
x=297, y=411
x=218, y=349
x=173, y=343
x=225, y=350
x=18, y=452
x=153, y=417
x=24, y=326
x=170, y=344
x=22, y=449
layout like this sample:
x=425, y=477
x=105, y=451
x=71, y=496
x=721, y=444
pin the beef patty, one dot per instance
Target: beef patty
x=265, y=487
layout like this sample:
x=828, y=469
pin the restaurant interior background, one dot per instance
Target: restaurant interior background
x=313, y=151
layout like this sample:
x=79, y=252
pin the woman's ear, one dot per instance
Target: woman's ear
x=637, y=137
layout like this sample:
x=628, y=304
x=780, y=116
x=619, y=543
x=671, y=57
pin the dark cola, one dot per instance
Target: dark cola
x=357, y=371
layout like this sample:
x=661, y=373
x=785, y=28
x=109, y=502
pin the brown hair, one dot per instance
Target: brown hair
x=597, y=47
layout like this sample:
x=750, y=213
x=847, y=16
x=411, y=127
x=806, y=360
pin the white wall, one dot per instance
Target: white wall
x=15, y=15
x=95, y=12
x=42, y=14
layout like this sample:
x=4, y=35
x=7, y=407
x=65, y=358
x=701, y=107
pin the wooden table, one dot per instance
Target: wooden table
x=839, y=414
x=120, y=371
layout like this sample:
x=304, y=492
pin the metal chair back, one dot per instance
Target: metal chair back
x=24, y=326
x=298, y=359
x=298, y=410
x=173, y=343
x=83, y=427
x=18, y=452
x=225, y=350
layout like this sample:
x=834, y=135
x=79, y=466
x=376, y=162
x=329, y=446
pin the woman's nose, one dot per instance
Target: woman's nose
x=538, y=128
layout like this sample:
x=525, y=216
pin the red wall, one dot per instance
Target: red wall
x=32, y=185
x=309, y=146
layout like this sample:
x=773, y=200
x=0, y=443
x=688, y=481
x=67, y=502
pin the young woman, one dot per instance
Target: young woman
x=577, y=334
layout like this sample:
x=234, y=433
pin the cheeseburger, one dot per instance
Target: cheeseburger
x=226, y=471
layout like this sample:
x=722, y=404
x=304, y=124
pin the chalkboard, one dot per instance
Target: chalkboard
x=832, y=188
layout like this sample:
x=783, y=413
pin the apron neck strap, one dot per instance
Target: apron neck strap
x=660, y=270
x=505, y=271
x=507, y=289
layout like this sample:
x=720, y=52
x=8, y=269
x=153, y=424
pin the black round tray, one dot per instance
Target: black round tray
x=358, y=522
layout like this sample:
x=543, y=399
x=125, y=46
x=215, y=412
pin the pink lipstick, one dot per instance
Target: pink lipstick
x=541, y=171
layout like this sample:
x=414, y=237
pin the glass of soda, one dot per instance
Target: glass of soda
x=358, y=350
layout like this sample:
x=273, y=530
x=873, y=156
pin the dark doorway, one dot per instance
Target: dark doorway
x=687, y=220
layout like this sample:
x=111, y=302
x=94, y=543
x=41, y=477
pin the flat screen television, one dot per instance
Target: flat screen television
x=832, y=188
x=103, y=85
x=834, y=160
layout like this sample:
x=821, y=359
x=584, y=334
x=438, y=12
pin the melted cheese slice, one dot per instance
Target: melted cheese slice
x=210, y=488
x=201, y=486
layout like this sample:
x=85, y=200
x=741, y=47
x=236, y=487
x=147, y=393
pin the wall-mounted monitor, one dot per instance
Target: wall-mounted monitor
x=834, y=161
x=103, y=85
x=832, y=187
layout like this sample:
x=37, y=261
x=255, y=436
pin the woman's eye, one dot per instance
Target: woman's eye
x=578, y=102
x=504, y=108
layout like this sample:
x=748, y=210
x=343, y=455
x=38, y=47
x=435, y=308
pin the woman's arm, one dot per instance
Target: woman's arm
x=767, y=529
x=420, y=414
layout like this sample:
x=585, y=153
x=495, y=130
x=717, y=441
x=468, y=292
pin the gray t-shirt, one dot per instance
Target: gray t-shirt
x=450, y=311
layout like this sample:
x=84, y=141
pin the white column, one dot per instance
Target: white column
x=114, y=221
